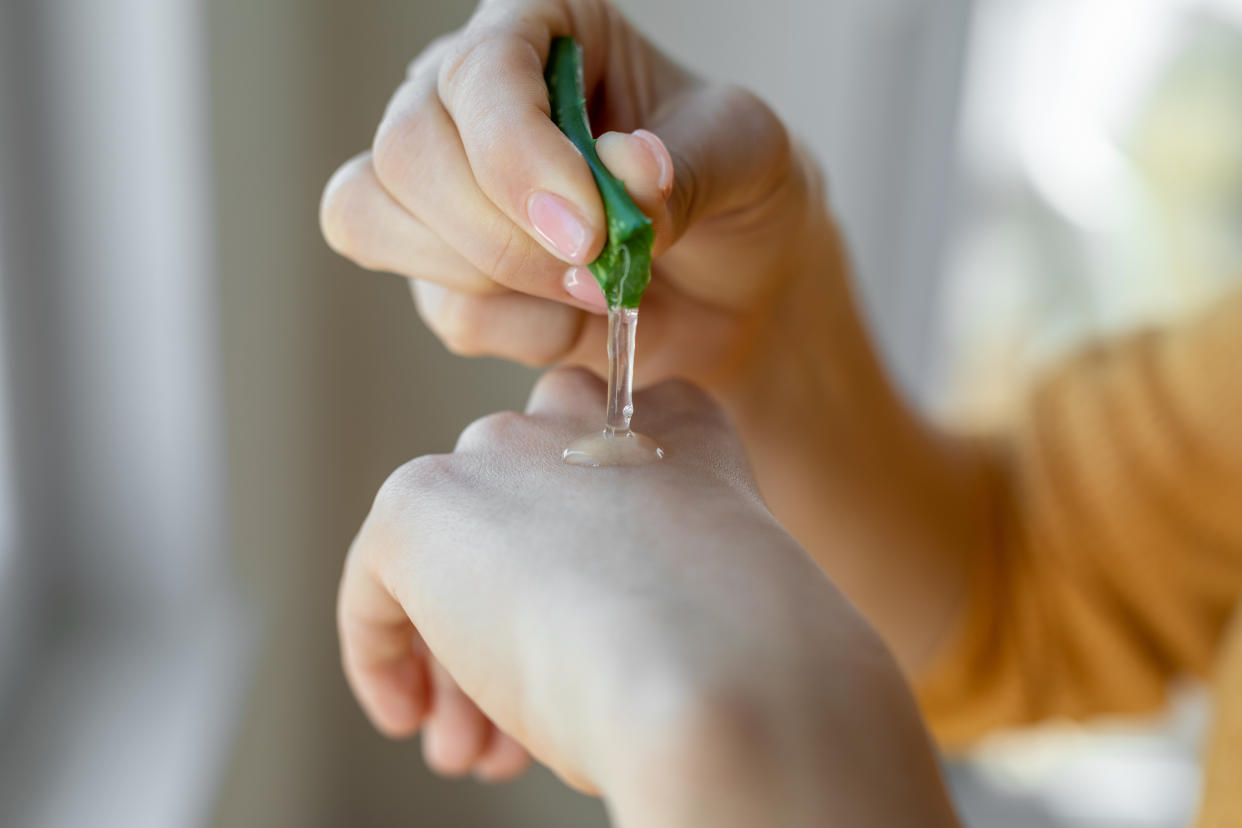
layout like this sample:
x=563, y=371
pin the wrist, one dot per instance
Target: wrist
x=887, y=504
x=835, y=742
x=810, y=355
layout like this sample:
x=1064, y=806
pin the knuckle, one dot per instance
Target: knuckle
x=405, y=499
x=391, y=150
x=767, y=132
x=510, y=259
x=411, y=483
x=400, y=501
x=396, y=147
x=493, y=430
x=743, y=103
x=460, y=58
x=492, y=46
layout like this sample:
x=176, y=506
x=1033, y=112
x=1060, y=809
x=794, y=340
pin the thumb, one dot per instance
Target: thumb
x=726, y=151
x=735, y=177
x=645, y=167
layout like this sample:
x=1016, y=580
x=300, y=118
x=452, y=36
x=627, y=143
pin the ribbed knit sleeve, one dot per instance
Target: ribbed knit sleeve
x=1117, y=559
x=1222, y=778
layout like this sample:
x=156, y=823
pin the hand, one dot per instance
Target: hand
x=472, y=191
x=651, y=634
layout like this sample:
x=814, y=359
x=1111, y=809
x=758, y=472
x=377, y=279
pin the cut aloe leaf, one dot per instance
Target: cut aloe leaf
x=623, y=269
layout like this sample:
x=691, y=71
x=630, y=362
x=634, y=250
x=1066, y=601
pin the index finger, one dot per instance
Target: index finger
x=492, y=85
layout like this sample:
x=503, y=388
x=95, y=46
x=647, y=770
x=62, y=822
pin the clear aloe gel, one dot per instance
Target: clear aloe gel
x=616, y=444
x=623, y=270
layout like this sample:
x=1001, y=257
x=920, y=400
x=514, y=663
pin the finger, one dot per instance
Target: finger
x=581, y=286
x=522, y=328
x=492, y=84
x=457, y=733
x=573, y=392
x=362, y=222
x=644, y=165
x=383, y=663
x=733, y=167
x=504, y=759
x=418, y=159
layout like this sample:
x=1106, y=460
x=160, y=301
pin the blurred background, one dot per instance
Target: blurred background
x=198, y=400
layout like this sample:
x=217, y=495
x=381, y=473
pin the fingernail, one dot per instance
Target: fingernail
x=580, y=284
x=560, y=225
x=658, y=151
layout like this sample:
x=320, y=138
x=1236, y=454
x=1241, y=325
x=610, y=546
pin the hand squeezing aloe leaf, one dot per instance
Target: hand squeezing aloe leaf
x=623, y=271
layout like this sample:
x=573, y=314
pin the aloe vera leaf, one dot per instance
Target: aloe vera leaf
x=623, y=268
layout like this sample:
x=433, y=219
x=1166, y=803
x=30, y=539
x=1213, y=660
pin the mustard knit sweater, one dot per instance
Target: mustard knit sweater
x=1118, y=557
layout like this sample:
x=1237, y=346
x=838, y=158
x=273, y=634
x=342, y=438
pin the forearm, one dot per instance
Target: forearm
x=888, y=507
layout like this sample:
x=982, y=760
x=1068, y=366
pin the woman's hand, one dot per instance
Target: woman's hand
x=649, y=633
x=472, y=191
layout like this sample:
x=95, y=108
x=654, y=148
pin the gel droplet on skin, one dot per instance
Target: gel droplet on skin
x=612, y=449
x=616, y=444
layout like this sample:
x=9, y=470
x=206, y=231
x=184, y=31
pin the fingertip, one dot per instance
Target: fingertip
x=643, y=164
x=562, y=228
x=504, y=759
x=334, y=202
x=445, y=751
x=581, y=286
x=457, y=733
x=395, y=698
x=663, y=158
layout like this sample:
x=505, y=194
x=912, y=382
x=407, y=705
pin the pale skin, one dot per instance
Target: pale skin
x=653, y=635
x=471, y=192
